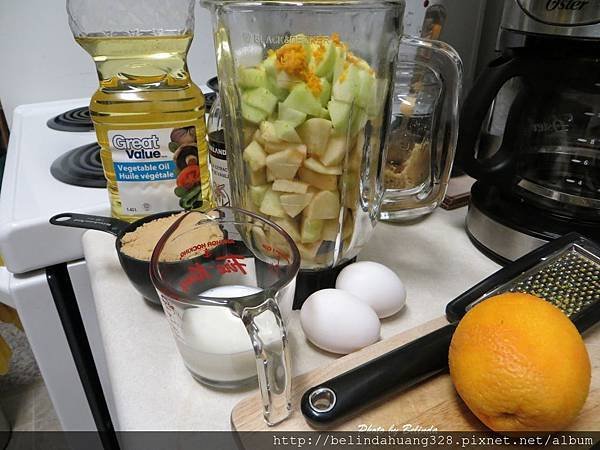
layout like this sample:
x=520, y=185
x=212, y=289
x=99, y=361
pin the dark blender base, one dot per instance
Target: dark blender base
x=505, y=227
x=310, y=281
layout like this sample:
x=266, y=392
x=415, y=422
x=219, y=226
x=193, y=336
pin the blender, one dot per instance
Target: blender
x=306, y=91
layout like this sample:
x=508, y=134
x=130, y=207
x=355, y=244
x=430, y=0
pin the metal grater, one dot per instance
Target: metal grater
x=569, y=279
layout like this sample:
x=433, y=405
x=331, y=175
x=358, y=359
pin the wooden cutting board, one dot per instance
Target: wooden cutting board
x=433, y=403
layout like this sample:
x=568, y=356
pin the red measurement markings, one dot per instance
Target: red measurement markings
x=197, y=273
x=203, y=247
x=231, y=264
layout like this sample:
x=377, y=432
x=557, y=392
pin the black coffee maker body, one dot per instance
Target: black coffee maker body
x=530, y=130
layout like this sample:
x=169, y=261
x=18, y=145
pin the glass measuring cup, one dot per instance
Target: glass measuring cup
x=306, y=91
x=227, y=297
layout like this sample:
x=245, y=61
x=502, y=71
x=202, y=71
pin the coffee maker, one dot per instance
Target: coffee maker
x=530, y=130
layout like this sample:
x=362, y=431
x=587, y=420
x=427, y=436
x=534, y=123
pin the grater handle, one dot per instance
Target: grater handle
x=396, y=370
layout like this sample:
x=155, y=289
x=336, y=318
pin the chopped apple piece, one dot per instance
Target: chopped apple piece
x=252, y=114
x=258, y=137
x=325, y=92
x=303, y=100
x=274, y=147
x=295, y=187
x=257, y=193
x=268, y=132
x=336, y=150
x=252, y=77
x=315, y=133
x=286, y=132
x=293, y=204
x=346, y=87
x=324, y=205
x=255, y=156
x=325, y=66
x=340, y=115
x=270, y=176
x=290, y=227
x=308, y=252
x=284, y=165
x=325, y=182
x=271, y=205
x=291, y=115
x=261, y=98
x=311, y=230
x=316, y=166
x=330, y=229
x=258, y=177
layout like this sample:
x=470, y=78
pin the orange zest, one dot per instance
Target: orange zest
x=292, y=59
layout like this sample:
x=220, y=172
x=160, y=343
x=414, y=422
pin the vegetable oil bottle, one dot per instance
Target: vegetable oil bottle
x=148, y=114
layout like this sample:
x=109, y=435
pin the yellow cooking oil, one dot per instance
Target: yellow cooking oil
x=149, y=121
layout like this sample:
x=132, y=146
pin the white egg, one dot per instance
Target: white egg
x=338, y=322
x=374, y=284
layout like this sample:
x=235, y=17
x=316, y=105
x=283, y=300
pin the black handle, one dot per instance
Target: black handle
x=393, y=371
x=497, y=168
x=89, y=222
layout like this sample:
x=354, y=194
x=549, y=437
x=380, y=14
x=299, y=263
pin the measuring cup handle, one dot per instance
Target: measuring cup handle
x=89, y=222
x=272, y=359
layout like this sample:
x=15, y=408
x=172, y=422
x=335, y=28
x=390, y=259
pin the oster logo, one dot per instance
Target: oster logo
x=568, y=5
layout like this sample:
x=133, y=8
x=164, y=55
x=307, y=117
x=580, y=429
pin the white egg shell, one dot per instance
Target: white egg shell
x=375, y=284
x=338, y=322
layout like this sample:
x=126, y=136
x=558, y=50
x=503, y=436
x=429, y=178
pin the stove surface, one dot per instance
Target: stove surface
x=30, y=195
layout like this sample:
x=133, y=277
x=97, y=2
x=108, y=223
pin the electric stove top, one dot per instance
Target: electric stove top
x=31, y=194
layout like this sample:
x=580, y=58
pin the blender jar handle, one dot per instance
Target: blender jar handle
x=272, y=358
x=444, y=62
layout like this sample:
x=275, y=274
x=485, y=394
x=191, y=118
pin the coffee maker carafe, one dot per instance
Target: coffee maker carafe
x=530, y=130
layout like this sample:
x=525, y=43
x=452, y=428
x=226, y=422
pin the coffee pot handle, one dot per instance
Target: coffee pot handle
x=498, y=168
x=443, y=62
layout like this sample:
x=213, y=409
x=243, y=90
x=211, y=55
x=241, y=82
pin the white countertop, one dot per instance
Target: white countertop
x=153, y=390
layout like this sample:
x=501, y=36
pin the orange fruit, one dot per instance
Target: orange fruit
x=520, y=364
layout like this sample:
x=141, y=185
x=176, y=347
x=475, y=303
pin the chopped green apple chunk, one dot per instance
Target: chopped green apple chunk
x=261, y=98
x=325, y=66
x=252, y=77
x=257, y=193
x=284, y=165
x=315, y=133
x=286, y=132
x=358, y=121
x=318, y=167
x=271, y=205
x=293, y=204
x=367, y=89
x=324, y=205
x=302, y=99
x=294, y=187
x=336, y=150
x=258, y=177
x=291, y=115
x=311, y=230
x=318, y=180
x=270, y=176
x=340, y=115
x=255, y=156
x=345, y=88
x=325, y=92
x=340, y=60
x=308, y=252
x=252, y=114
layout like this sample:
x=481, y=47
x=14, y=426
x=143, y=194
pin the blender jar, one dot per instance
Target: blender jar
x=306, y=91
